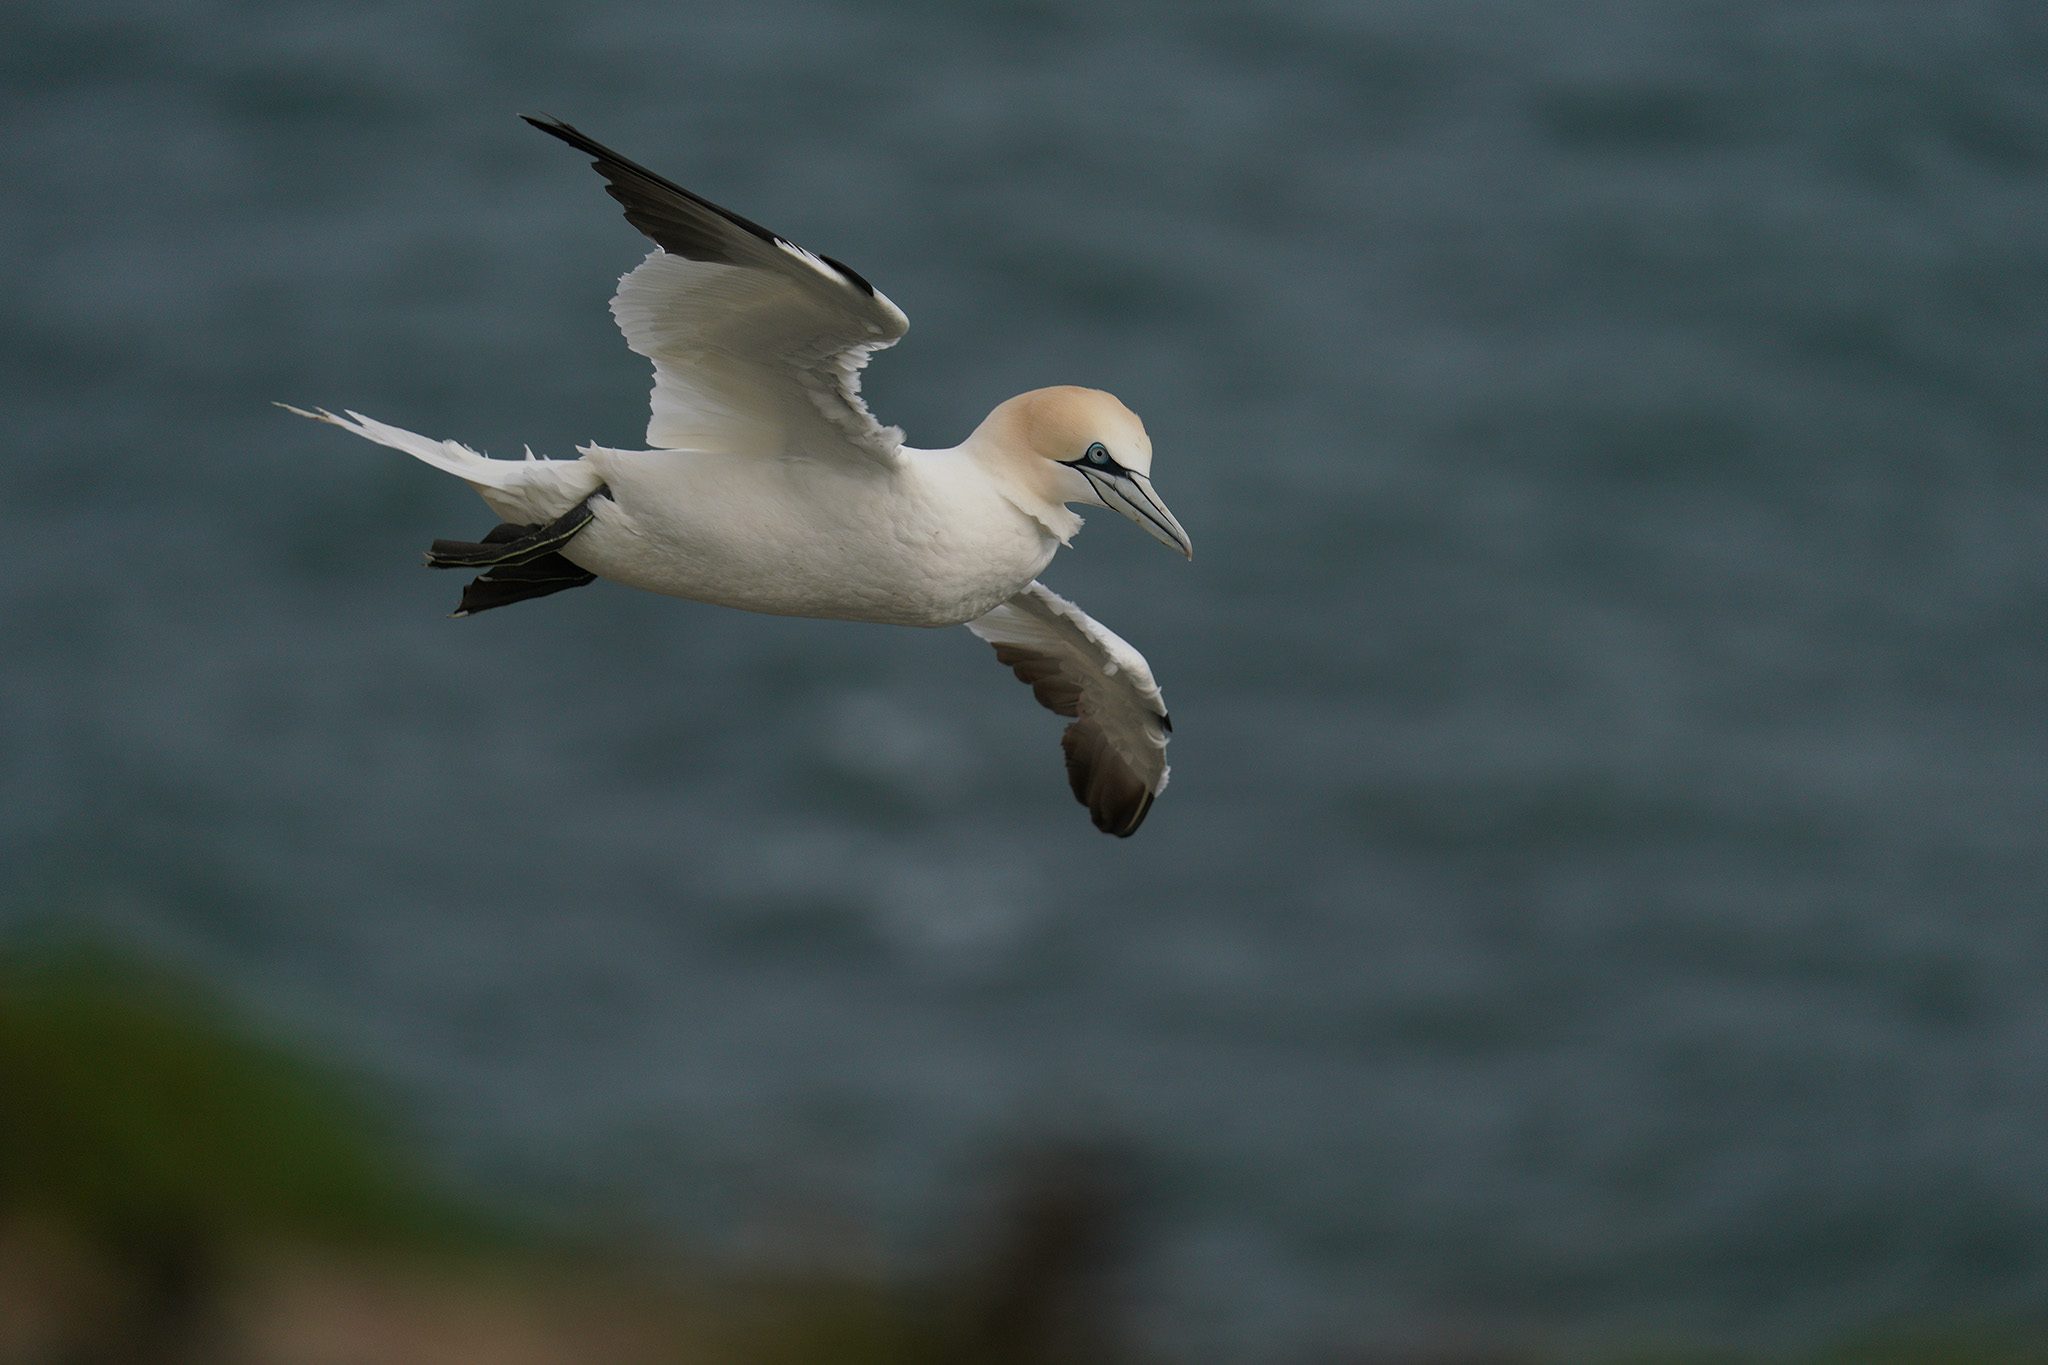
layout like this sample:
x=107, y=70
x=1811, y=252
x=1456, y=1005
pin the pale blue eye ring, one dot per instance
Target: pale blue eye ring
x=1097, y=455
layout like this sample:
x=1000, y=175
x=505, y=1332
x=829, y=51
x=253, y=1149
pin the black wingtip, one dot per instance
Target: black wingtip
x=629, y=182
x=567, y=132
x=642, y=193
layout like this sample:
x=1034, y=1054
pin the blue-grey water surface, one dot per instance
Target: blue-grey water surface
x=1600, y=895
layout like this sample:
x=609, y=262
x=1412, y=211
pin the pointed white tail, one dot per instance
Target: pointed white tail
x=529, y=490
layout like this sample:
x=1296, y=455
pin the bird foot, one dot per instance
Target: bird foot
x=509, y=545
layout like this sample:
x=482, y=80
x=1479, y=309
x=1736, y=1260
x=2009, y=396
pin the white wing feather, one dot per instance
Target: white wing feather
x=756, y=361
x=757, y=343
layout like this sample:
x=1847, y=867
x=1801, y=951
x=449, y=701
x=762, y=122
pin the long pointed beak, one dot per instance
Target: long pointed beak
x=1130, y=493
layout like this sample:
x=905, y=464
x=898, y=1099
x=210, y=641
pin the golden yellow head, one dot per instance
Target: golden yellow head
x=1069, y=444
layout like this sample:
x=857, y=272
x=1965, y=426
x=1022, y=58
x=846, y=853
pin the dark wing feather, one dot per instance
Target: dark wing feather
x=1075, y=666
x=684, y=223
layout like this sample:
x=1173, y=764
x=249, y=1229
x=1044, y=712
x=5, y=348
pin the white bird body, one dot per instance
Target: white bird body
x=929, y=542
x=769, y=487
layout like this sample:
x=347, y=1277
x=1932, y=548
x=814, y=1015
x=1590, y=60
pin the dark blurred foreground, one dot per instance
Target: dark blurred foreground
x=173, y=1188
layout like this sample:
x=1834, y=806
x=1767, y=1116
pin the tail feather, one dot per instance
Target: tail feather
x=451, y=457
x=528, y=490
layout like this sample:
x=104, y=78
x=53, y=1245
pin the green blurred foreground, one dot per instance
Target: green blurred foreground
x=173, y=1189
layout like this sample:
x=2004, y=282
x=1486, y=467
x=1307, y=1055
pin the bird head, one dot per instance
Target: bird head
x=1071, y=445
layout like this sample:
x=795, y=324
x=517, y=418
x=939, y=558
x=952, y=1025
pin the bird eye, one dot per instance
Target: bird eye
x=1097, y=455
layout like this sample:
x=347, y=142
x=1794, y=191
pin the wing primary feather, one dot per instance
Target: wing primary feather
x=673, y=217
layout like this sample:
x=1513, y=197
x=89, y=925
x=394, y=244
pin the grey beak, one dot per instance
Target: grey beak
x=1130, y=493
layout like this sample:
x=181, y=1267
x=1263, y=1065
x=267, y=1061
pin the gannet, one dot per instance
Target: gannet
x=769, y=486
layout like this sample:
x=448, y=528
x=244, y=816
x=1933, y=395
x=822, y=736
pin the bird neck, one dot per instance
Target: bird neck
x=1027, y=482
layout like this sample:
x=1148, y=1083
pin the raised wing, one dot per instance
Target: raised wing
x=1116, y=747
x=757, y=343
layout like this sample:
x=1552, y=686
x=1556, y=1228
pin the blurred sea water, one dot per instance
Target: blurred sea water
x=1601, y=889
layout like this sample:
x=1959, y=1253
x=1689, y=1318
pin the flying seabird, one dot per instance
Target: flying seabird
x=770, y=487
